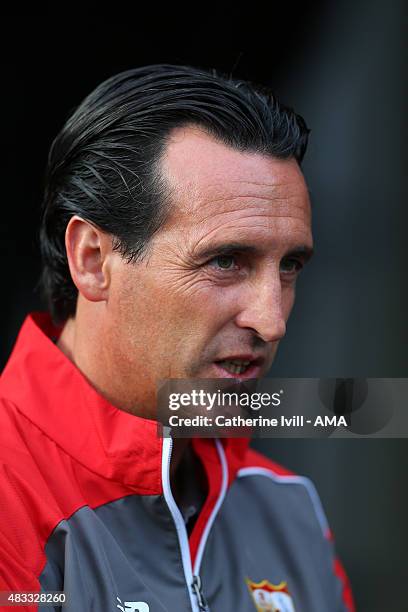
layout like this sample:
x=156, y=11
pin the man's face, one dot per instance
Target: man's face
x=212, y=297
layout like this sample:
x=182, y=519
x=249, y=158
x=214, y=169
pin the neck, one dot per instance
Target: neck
x=91, y=346
x=67, y=343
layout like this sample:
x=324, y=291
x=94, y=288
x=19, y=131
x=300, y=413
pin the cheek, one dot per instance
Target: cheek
x=213, y=305
x=135, y=311
x=161, y=323
x=193, y=320
x=188, y=324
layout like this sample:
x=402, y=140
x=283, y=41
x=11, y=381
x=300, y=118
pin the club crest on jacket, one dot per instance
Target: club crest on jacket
x=269, y=597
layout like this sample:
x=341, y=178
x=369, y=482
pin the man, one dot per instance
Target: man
x=176, y=221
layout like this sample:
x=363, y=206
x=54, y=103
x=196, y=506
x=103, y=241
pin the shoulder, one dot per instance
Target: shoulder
x=290, y=502
x=28, y=510
x=256, y=460
x=294, y=493
x=17, y=436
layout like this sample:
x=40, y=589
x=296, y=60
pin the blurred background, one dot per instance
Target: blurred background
x=339, y=64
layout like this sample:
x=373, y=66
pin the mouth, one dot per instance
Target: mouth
x=244, y=367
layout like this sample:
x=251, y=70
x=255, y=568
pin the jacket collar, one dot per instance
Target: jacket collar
x=50, y=391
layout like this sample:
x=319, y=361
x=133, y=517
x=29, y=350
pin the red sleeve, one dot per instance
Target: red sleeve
x=340, y=572
x=18, y=545
x=15, y=576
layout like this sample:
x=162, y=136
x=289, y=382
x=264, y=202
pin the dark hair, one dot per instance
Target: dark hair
x=104, y=165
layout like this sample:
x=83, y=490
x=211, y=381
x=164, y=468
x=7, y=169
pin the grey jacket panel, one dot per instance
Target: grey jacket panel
x=129, y=549
x=269, y=530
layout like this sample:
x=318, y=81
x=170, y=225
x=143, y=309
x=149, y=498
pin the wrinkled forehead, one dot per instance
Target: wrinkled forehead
x=206, y=178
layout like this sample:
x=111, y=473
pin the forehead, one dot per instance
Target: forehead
x=214, y=186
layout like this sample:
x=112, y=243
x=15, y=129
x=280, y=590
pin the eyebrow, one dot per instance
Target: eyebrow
x=304, y=251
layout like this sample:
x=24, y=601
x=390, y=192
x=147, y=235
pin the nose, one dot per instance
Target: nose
x=262, y=311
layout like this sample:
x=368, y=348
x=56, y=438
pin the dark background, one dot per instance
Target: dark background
x=341, y=65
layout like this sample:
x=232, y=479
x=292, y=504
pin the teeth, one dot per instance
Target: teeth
x=235, y=366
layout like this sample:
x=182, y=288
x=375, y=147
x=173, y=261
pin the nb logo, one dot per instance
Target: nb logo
x=132, y=606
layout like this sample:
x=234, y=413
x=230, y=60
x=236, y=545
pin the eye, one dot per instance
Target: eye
x=224, y=262
x=289, y=265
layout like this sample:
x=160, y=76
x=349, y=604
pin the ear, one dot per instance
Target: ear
x=88, y=249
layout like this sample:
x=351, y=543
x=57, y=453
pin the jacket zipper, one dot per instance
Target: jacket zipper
x=197, y=599
x=196, y=586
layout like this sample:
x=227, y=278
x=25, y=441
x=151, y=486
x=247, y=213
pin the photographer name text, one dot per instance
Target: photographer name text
x=258, y=421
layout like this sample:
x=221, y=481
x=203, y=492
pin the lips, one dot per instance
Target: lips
x=242, y=367
x=237, y=366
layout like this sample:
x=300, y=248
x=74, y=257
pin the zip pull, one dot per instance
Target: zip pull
x=196, y=586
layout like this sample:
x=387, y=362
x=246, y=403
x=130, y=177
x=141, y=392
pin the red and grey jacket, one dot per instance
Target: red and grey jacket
x=86, y=507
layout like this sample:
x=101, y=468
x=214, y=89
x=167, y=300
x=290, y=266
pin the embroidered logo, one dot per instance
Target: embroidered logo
x=269, y=597
x=132, y=606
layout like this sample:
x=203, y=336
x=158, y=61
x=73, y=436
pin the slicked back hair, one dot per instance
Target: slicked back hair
x=104, y=165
